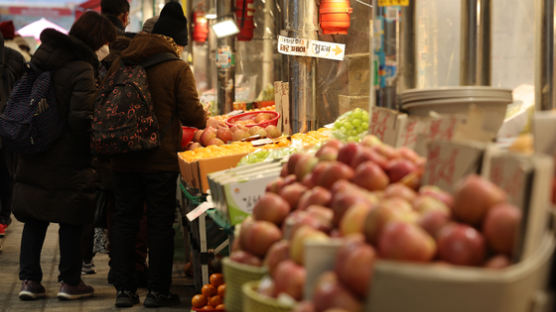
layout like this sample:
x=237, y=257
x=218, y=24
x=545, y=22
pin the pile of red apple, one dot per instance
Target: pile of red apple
x=218, y=132
x=368, y=194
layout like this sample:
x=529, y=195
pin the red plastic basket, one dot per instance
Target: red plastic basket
x=250, y=115
x=187, y=134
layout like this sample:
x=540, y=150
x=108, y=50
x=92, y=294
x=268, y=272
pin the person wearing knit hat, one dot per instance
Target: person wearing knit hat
x=172, y=23
x=8, y=30
x=146, y=179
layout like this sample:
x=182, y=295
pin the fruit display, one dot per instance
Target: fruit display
x=352, y=125
x=212, y=295
x=214, y=151
x=219, y=132
x=369, y=196
x=239, y=108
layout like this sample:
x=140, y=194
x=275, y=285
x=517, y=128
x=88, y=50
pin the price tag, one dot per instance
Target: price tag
x=384, y=3
x=198, y=211
x=241, y=197
x=385, y=124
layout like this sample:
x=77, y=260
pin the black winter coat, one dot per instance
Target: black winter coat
x=59, y=184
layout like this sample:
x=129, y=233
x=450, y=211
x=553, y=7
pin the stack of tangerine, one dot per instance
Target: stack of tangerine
x=212, y=295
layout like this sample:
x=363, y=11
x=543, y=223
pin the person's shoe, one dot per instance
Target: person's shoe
x=72, y=292
x=3, y=230
x=31, y=290
x=87, y=268
x=126, y=299
x=156, y=299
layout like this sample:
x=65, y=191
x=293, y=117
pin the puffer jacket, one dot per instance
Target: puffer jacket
x=175, y=100
x=59, y=185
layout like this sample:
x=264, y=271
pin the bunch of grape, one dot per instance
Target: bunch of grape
x=351, y=126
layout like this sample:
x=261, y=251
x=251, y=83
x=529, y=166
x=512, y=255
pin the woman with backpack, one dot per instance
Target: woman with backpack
x=58, y=185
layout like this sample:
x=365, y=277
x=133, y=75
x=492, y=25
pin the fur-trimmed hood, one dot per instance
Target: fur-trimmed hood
x=57, y=49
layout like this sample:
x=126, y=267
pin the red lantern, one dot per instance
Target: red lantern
x=245, y=10
x=334, y=17
x=200, y=27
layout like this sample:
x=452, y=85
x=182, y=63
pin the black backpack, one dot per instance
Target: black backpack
x=123, y=116
x=31, y=122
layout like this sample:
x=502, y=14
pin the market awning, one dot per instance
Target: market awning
x=85, y=6
x=34, y=29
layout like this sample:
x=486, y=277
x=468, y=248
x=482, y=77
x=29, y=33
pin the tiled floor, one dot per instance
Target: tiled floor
x=104, y=293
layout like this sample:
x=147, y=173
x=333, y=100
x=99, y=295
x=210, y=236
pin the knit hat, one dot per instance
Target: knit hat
x=172, y=23
x=8, y=30
x=149, y=24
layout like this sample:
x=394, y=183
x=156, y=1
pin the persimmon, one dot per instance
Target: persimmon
x=216, y=279
x=215, y=300
x=220, y=307
x=198, y=301
x=222, y=290
x=208, y=290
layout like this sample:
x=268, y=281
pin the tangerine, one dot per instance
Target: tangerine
x=198, y=301
x=216, y=279
x=208, y=290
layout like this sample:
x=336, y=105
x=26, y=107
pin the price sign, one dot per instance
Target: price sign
x=241, y=197
x=448, y=162
x=384, y=3
x=384, y=125
x=292, y=46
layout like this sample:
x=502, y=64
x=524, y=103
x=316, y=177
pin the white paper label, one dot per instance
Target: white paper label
x=311, y=48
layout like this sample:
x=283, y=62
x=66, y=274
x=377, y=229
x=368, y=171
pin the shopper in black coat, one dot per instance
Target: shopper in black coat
x=59, y=185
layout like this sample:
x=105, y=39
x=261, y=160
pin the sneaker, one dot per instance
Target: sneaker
x=31, y=290
x=126, y=299
x=156, y=299
x=87, y=268
x=3, y=230
x=70, y=292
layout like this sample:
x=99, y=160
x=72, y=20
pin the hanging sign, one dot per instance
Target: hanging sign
x=383, y=3
x=311, y=48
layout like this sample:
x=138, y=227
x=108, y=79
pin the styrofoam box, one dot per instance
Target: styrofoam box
x=402, y=287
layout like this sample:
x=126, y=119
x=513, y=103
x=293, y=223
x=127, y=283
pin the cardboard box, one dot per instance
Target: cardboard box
x=195, y=173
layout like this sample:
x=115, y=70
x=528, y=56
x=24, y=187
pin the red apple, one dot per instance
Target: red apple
x=411, y=155
x=289, y=279
x=461, y=244
x=272, y=208
x=354, y=265
x=279, y=252
x=272, y=131
x=275, y=186
x=336, y=171
x=334, y=143
x=292, y=193
x=304, y=234
x=498, y=262
x=318, y=170
x=370, y=141
x=348, y=152
x=208, y=135
x=353, y=220
x=425, y=203
x=387, y=211
x=304, y=166
x=387, y=151
x=324, y=215
x=397, y=169
x=474, y=197
x=327, y=153
x=197, y=135
x=436, y=192
x=331, y=294
x=215, y=123
x=215, y=141
x=432, y=221
x=315, y=196
x=301, y=218
x=366, y=154
x=406, y=242
x=239, y=134
x=501, y=228
x=368, y=175
x=400, y=190
x=224, y=134
x=257, y=237
x=244, y=257
x=266, y=287
x=343, y=200
x=292, y=162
